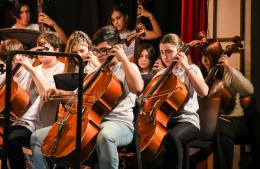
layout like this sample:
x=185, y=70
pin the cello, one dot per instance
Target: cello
x=161, y=100
x=19, y=97
x=19, y=101
x=217, y=88
x=101, y=93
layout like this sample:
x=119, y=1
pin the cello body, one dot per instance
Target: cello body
x=155, y=113
x=98, y=100
x=19, y=99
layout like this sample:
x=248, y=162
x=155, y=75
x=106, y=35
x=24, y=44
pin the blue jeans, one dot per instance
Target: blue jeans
x=113, y=134
x=39, y=160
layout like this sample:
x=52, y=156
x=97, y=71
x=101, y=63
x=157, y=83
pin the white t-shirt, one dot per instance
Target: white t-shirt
x=189, y=111
x=32, y=26
x=40, y=114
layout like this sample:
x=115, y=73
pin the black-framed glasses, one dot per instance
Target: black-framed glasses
x=102, y=51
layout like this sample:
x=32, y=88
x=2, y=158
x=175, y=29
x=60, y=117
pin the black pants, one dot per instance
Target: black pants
x=228, y=132
x=179, y=135
x=19, y=136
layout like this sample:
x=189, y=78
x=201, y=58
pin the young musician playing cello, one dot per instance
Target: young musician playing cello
x=185, y=126
x=39, y=114
x=117, y=126
x=232, y=125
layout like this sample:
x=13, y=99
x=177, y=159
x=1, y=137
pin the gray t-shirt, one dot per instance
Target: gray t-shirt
x=124, y=109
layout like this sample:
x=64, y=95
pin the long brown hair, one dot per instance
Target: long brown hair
x=213, y=51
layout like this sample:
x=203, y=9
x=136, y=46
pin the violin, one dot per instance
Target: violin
x=161, y=99
x=217, y=87
x=101, y=92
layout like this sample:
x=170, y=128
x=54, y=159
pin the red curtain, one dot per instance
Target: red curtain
x=193, y=20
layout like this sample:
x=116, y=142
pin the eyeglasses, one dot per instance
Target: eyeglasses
x=102, y=51
x=166, y=52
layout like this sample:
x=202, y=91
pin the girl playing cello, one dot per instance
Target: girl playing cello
x=185, y=126
x=231, y=125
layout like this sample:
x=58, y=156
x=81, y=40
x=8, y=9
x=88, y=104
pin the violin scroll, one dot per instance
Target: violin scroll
x=233, y=47
x=140, y=31
x=200, y=40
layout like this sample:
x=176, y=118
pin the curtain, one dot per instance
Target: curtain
x=193, y=20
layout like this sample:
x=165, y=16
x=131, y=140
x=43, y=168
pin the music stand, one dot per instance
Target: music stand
x=27, y=37
x=67, y=81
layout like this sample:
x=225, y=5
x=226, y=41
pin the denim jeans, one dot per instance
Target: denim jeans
x=39, y=160
x=113, y=134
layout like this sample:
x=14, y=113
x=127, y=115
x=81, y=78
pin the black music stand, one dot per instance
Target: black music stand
x=67, y=81
x=26, y=36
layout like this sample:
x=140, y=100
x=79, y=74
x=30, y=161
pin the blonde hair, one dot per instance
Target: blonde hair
x=77, y=37
x=10, y=45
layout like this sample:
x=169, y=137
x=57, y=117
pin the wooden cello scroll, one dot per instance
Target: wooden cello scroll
x=140, y=31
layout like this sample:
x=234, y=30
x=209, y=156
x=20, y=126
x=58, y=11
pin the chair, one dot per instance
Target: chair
x=208, y=112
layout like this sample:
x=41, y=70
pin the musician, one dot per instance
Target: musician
x=145, y=57
x=233, y=125
x=119, y=19
x=6, y=46
x=22, y=16
x=185, y=126
x=39, y=114
x=117, y=126
x=80, y=43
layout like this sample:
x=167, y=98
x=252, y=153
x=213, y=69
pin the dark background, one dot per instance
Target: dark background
x=89, y=15
x=255, y=49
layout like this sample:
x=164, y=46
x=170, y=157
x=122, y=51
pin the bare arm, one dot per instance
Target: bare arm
x=132, y=76
x=65, y=96
x=156, y=32
x=43, y=18
x=38, y=78
x=198, y=84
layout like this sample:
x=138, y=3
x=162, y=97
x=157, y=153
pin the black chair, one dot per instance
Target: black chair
x=208, y=112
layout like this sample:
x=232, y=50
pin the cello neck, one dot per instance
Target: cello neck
x=168, y=70
x=100, y=69
x=39, y=5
